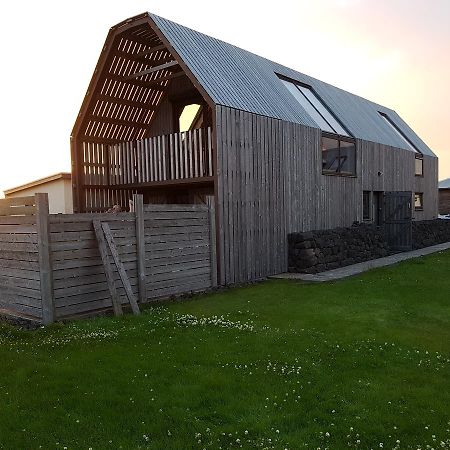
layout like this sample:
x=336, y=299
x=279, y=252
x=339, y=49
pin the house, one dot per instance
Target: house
x=444, y=196
x=58, y=187
x=181, y=117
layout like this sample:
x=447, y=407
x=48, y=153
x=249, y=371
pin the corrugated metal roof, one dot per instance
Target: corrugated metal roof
x=444, y=184
x=239, y=79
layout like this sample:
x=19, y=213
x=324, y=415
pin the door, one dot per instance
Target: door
x=397, y=213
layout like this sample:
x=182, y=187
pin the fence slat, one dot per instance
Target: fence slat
x=46, y=275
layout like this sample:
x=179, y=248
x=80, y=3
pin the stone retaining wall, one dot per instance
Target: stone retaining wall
x=317, y=251
x=430, y=232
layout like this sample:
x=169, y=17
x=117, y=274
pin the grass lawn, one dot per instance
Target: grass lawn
x=360, y=363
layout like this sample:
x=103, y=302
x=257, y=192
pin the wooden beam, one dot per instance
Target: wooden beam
x=213, y=244
x=131, y=81
x=45, y=265
x=141, y=55
x=153, y=69
x=118, y=122
x=121, y=101
x=97, y=140
x=150, y=51
x=140, y=245
x=117, y=307
x=156, y=184
x=167, y=77
x=120, y=268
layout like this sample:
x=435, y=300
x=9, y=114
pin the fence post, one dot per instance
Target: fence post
x=45, y=264
x=212, y=244
x=138, y=201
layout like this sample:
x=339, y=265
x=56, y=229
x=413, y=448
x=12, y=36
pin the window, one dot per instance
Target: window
x=366, y=205
x=418, y=201
x=315, y=108
x=338, y=157
x=398, y=132
x=419, y=166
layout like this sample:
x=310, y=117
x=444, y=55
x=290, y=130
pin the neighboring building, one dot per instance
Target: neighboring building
x=444, y=196
x=275, y=150
x=58, y=187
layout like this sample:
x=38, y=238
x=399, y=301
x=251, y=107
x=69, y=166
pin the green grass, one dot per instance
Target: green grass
x=358, y=363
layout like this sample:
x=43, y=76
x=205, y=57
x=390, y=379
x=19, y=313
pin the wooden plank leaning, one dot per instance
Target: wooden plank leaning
x=102, y=246
x=120, y=268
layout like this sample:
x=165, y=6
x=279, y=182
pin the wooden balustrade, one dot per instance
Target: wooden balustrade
x=177, y=156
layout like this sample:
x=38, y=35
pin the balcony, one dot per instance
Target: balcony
x=177, y=158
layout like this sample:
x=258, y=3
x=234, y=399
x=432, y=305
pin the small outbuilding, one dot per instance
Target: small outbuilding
x=57, y=186
x=444, y=196
x=182, y=117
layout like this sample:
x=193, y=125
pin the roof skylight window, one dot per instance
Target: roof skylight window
x=315, y=108
x=399, y=133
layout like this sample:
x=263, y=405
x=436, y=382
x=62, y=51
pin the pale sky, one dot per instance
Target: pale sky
x=394, y=52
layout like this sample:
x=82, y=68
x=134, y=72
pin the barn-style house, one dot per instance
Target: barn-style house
x=181, y=117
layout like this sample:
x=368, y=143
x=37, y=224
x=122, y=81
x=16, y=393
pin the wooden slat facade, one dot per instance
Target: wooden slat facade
x=270, y=184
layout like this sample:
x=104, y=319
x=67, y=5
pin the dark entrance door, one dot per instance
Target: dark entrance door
x=397, y=213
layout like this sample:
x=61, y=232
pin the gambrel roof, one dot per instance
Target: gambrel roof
x=239, y=79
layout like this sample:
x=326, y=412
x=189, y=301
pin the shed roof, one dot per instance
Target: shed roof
x=240, y=79
x=39, y=182
x=444, y=184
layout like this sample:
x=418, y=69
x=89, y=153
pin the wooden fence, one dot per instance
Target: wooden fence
x=51, y=266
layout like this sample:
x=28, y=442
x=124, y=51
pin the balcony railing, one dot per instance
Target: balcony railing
x=178, y=156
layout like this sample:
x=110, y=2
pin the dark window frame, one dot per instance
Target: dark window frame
x=368, y=218
x=418, y=153
x=340, y=139
x=420, y=158
x=420, y=195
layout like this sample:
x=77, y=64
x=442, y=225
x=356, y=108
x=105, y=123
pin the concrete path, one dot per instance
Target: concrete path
x=355, y=269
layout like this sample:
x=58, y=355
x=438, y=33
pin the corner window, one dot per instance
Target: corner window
x=418, y=201
x=338, y=157
x=367, y=216
x=419, y=166
x=315, y=107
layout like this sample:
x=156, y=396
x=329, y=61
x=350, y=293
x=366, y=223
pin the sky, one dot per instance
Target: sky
x=394, y=52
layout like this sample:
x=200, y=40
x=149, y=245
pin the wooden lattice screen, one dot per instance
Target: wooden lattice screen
x=128, y=85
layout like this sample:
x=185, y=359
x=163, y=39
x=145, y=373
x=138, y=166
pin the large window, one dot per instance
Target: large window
x=338, y=157
x=315, y=108
x=338, y=147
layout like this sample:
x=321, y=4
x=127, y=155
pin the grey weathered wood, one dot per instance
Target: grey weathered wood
x=45, y=265
x=140, y=246
x=102, y=246
x=120, y=268
x=213, y=244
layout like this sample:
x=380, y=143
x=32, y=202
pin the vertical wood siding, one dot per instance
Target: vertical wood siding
x=270, y=184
